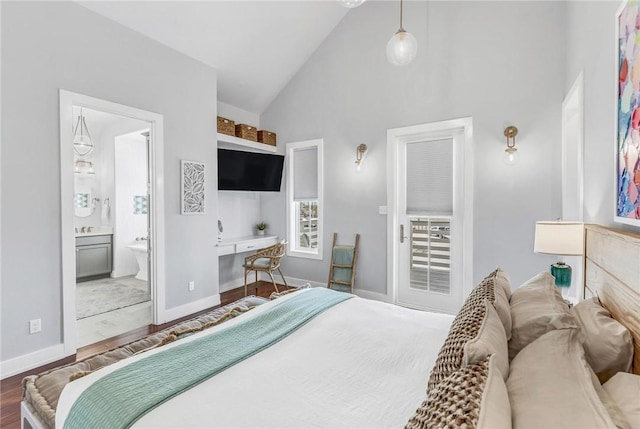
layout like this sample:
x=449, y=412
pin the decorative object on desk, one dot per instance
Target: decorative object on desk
x=247, y=132
x=402, y=47
x=563, y=239
x=511, y=152
x=192, y=187
x=267, y=137
x=628, y=117
x=220, y=230
x=226, y=126
x=260, y=228
x=361, y=153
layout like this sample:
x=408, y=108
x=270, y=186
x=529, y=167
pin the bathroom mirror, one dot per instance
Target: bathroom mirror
x=83, y=199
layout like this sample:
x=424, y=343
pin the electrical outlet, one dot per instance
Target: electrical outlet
x=35, y=326
x=192, y=286
x=382, y=210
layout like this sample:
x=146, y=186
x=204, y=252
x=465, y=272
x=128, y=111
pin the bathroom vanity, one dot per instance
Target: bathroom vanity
x=93, y=256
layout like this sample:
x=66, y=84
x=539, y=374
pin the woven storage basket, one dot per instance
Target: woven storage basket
x=246, y=132
x=226, y=126
x=267, y=137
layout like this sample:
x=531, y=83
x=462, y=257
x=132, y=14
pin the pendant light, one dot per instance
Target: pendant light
x=82, y=143
x=403, y=46
x=351, y=3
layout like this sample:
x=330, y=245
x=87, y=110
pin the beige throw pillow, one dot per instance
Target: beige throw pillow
x=491, y=339
x=607, y=344
x=537, y=307
x=471, y=397
x=550, y=386
x=624, y=390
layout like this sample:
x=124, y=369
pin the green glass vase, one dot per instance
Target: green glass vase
x=562, y=273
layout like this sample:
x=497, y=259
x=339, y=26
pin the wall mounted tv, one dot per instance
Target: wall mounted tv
x=249, y=171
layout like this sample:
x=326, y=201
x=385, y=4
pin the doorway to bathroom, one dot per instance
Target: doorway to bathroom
x=110, y=172
x=111, y=224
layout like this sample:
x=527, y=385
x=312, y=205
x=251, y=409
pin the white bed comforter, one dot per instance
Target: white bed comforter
x=360, y=364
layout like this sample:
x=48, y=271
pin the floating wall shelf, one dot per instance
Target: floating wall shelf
x=225, y=138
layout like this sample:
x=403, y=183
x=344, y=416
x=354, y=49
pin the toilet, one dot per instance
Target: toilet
x=140, y=251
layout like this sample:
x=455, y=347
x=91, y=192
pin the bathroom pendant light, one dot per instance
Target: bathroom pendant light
x=351, y=3
x=403, y=46
x=82, y=143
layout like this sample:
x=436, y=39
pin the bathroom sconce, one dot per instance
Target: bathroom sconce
x=82, y=143
x=511, y=152
x=351, y=3
x=82, y=166
x=361, y=153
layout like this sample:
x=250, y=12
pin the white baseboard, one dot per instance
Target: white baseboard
x=375, y=296
x=292, y=281
x=191, y=307
x=32, y=360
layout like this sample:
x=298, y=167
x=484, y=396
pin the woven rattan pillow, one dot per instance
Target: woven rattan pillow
x=471, y=397
x=465, y=327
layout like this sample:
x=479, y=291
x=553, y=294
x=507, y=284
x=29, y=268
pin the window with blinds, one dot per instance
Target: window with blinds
x=430, y=207
x=304, y=199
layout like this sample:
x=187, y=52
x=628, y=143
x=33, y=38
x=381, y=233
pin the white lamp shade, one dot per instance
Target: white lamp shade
x=402, y=48
x=559, y=238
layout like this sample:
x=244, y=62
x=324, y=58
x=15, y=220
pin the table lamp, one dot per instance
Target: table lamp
x=562, y=239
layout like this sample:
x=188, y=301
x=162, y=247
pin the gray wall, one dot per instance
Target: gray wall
x=591, y=41
x=51, y=45
x=500, y=62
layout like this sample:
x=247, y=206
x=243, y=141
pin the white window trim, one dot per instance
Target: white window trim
x=291, y=215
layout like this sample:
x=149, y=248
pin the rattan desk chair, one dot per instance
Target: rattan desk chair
x=267, y=260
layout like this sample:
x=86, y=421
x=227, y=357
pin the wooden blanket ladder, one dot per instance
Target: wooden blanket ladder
x=344, y=260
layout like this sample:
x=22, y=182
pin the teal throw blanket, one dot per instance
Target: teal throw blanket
x=120, y=398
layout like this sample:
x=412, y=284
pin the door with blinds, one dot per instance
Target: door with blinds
x=429, y=248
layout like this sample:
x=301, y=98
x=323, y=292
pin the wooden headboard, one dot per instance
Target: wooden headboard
x=612, y=273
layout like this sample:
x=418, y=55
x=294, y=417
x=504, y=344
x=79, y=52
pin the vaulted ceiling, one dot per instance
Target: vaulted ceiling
x=256, y=46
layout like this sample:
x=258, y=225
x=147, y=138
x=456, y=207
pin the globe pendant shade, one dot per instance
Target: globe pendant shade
x=402, y=48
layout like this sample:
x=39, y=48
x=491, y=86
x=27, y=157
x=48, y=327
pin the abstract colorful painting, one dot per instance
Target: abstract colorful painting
x=192, y=187
x=628, y=124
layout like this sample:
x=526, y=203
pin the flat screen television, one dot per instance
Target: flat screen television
x=249, y=171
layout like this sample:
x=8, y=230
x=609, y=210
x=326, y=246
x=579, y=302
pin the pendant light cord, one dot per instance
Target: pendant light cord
x=401, y=29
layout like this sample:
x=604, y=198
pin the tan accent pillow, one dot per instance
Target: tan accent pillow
x=624, y=390
x=501, y=303
x=550, y=386
x=471, y=397
x=465, y=327
x=477, y=334
x=494, y=289
x=607, y=344
x=537, y=307
x=491, y=340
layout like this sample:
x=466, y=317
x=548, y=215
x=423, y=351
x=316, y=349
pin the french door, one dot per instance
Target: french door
x=430, y=258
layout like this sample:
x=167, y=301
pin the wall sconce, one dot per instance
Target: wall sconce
x=82, y=166
x=511, y=152
x=361, y=153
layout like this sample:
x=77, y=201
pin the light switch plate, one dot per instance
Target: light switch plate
x=382, y=210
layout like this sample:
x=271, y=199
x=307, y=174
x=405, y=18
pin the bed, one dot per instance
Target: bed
x=320, y=358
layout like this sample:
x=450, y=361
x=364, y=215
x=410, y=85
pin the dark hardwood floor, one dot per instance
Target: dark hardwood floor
x=11, y=387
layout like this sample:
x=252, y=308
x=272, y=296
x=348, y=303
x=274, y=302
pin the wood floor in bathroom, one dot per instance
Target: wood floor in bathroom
x=11, y=387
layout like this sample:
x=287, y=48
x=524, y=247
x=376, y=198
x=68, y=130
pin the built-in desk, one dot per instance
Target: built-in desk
x=251, y=243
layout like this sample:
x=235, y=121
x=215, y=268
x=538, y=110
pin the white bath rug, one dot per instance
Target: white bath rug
x=100, y=296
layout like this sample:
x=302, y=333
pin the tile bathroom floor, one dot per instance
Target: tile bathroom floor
x=106, y=325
